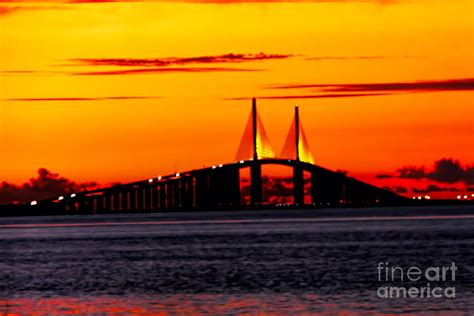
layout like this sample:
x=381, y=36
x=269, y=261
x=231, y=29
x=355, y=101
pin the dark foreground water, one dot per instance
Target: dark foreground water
x=266, y=263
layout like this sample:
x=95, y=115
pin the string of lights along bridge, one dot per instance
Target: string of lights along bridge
x=219, y=186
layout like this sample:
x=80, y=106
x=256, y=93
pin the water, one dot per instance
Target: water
x=283, y=263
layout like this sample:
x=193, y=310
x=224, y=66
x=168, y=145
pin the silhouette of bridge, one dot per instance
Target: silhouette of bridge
x=219, y=186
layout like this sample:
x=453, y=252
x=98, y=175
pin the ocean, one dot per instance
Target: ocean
x=282, y=262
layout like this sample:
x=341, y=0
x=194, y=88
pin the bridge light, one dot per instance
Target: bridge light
x=61, y=198
x=419, y=198
x=33, y=203
x=465, y=197
x=214, y=167
x=220, y=166
x=177, y=174
x=427, y=197
x=150, y=180
x=73, y=195
x=458, y=197
x=159, y=178
x=241, y=161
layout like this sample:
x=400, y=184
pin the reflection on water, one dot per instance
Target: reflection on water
x=200, y=264
x=199, y=304
x=214, y=304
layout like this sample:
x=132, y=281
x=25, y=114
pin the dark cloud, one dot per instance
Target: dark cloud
x=384, y=176
x=170, y=61
x=45, y=185
x=320, y=91
x=466, y=84
x=82, y=99
x=170, y=64
x=308, y=96
x=411, y=172
x=434, y=188
x=141, y=71
x=446, y=170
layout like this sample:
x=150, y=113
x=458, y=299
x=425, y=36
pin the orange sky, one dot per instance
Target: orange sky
x=183, y=118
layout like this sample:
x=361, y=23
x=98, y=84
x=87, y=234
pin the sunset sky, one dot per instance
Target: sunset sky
x=121, y=91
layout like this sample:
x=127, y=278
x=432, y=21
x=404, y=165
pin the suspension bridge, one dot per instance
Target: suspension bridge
x=220, y=186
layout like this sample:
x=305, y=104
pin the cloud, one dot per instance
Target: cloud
x=81, y=99
x=141, y=71
x=384, y=176
x=307, y=96
x=434, y=188
x=322, y=58
x=45, y=185
x=466, y=84
x=170, y=64
x=446, y=170
x=317, y=91
x=6, y=10
x=170, y=61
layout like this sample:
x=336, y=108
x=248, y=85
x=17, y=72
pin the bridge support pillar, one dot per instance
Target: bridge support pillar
x=233, y=185
x=155, y=193
x=176, y=194
x=314, y=189
x=169, y=194
x=256, y=190
x=133, y=199
x=124, y=199
x=189, y=192
x=202, y=191
x=298, y=185
x=162, y=196
x=148, y=202
x=116, y=200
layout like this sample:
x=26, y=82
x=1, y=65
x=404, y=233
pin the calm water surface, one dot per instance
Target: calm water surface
x=276, y=263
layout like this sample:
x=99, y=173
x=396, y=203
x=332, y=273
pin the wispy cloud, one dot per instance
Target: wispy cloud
x=386, y=87
x=159, y=70
x=173, y=61
x=14, y=7
x=82, y=98
x=319, y=58
x=346, y=90
x=132, y=66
